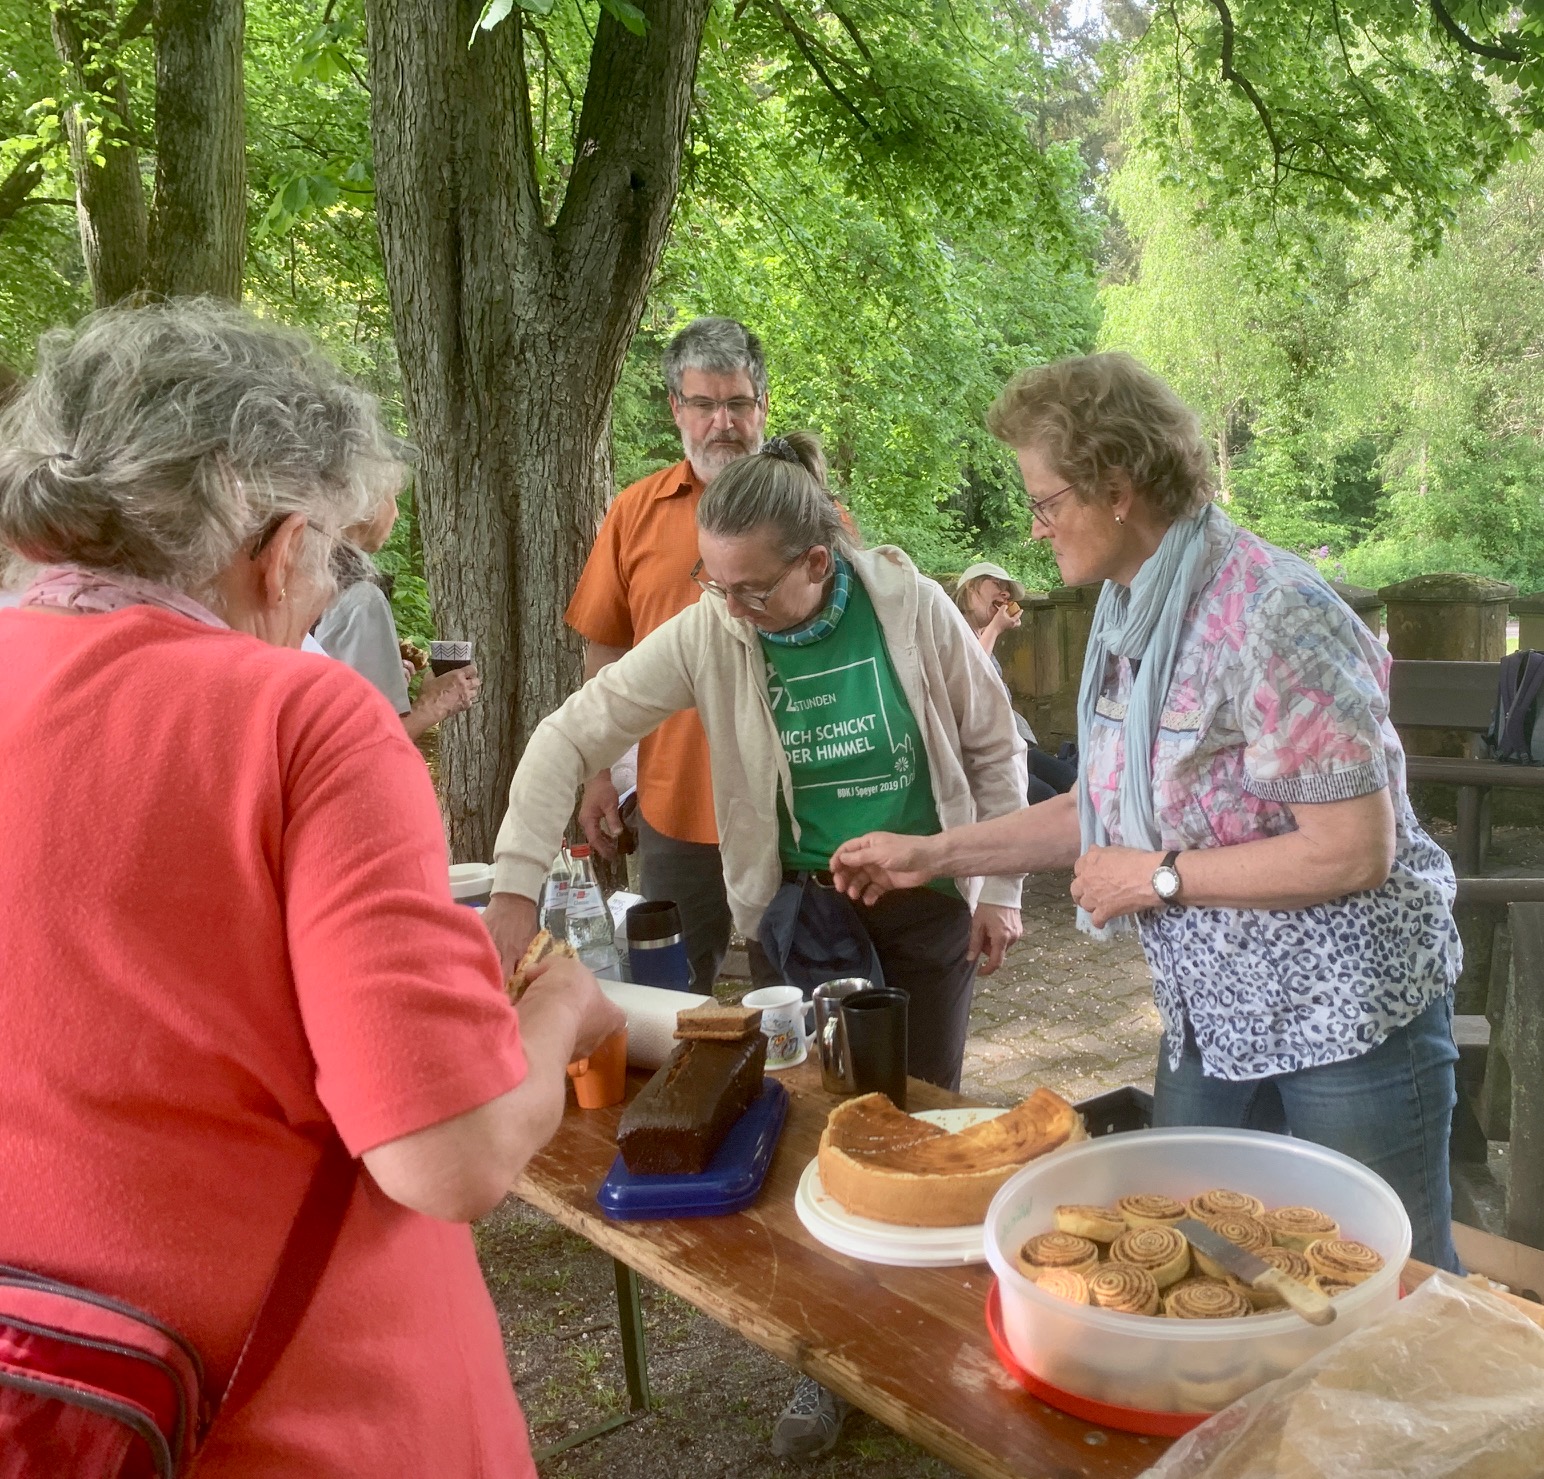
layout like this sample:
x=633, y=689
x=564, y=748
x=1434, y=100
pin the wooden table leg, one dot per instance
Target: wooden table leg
x=635, y=1365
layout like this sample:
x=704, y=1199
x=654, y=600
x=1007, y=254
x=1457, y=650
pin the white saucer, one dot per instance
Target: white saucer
x=885, y=1242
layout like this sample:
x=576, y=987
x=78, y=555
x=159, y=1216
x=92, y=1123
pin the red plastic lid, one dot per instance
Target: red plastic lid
x=579, y=850
x=1106, y=1415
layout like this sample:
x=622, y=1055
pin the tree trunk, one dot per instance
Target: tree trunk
x=511, y=334
x=110, y=199
x=198, y=231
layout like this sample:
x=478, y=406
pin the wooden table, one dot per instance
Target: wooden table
x=908, y=1346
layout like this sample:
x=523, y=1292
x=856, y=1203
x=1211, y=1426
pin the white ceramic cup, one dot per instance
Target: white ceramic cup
x=783, y=1012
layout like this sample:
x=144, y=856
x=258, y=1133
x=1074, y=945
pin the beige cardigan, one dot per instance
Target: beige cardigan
x=711, y=660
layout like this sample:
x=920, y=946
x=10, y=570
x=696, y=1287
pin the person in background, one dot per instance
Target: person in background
x=638, y=576
x=358, y=629
x=839, y=689
x=1242, y=800
x=259, y=948
x=987, y=594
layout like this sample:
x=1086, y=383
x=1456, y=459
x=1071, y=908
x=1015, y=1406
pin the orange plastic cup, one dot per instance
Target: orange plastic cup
x=601, y=1079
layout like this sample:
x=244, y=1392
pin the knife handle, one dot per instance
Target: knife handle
x=1312, y=1304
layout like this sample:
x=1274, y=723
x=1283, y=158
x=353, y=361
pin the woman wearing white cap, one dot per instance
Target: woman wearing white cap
x=989, y=597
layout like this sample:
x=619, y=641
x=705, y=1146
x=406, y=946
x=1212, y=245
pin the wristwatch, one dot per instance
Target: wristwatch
x=1166, y=878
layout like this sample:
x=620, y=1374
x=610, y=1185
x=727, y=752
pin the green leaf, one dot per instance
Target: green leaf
x=630, y=16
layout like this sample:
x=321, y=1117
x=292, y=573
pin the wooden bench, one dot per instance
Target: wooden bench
x=1457, y=696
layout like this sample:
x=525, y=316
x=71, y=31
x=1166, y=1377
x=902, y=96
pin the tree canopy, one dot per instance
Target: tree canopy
x=1320, y=219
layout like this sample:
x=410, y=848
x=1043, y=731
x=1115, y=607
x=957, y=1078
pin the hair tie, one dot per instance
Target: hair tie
x=781, y=448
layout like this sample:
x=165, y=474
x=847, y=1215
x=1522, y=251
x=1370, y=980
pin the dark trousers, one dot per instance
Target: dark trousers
x=692, y=874
x=921, y=937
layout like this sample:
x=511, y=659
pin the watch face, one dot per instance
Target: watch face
x=1165, y=883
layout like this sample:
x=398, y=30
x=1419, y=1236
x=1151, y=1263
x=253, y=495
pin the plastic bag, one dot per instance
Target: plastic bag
x=1448, y=1385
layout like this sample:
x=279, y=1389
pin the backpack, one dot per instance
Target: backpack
x=1515, y=735
x=93, y=1388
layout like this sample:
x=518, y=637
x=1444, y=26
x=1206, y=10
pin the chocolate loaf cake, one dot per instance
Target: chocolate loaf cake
x=682, y=1114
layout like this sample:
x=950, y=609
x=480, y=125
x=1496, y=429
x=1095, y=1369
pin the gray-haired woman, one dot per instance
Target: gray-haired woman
x=228, y=932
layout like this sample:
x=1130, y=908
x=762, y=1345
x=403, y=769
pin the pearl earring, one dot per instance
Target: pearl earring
x=1119, y=520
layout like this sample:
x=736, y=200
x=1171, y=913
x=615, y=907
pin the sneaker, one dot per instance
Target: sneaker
x=811, y=1422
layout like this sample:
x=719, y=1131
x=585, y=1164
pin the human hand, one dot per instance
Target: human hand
x=870, y=866
x=599, y=814
x=511, y=920
x=993, y=928
x=1110, y=882
x=564, y=979
x=1003, y=619
x=450, y=693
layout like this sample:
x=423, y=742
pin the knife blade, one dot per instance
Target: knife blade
x=1312, y=1304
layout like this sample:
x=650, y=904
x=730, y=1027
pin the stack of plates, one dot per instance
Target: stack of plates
x=886, y=1242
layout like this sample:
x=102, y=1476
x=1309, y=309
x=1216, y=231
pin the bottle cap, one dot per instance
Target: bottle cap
x=579, y=850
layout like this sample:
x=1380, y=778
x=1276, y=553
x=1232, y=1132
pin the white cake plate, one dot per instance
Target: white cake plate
x=886, y=1242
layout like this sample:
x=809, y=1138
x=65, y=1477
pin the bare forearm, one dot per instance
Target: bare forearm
x=417, y=721
x=597, y=656
x=1031, y=840
x=1293, y=871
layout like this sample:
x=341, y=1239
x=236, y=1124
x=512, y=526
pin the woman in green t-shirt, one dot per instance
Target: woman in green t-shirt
x=842, y=692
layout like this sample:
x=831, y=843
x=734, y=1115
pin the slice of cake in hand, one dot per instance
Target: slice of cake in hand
x=881, y=1163
x=683, y=1113
x=542, y=945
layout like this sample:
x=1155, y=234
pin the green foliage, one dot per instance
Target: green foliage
x=1351, y=109
x=894, y=291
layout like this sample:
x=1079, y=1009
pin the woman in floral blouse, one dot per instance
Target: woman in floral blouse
x=1243, y=800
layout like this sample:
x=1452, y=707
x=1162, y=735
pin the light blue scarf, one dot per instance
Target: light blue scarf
x=1142, y=623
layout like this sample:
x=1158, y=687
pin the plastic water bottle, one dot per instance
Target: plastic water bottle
x=554, y=900
x=590, y=930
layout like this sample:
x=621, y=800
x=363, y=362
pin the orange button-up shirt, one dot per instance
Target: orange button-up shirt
x=637, y=577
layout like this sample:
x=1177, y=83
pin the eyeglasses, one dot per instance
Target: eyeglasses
x=738, y=406
x=753, y=603
x=1038, y=506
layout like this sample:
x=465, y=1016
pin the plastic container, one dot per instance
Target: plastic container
x=471, y=883
x=731, y=1181
x=1184, y=1365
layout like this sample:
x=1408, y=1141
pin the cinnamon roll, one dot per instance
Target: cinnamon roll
x=1297, y=1227
x=1343, y=1260
x=1162, y=1251
x=1150, y=1211
x=1205, y=1299
x=1123, y=1287
x=1064, y=1283
x=1248, y=1232
x=1332, y=1287
x=1050, y=1250
x=1101, y=1224
x=1292, y=1263
x=1220, y=1202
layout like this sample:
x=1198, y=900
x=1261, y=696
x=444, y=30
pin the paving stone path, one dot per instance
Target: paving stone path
x=1062, y=1010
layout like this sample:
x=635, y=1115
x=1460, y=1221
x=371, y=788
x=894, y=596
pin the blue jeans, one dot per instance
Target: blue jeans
x=1391, y=1109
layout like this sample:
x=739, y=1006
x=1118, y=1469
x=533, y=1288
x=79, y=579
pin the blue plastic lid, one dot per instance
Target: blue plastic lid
x=731, y=1182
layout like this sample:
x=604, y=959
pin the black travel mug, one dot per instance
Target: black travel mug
x=875, y=1022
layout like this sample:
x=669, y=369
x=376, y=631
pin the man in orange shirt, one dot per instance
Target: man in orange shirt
x=637, y=577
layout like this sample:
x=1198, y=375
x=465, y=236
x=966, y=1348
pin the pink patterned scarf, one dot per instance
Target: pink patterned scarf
x=77, y=588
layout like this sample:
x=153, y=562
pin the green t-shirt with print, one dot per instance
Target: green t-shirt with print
x=853, y=744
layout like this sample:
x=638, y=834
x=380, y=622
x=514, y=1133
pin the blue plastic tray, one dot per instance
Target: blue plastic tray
x=732, y=1180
